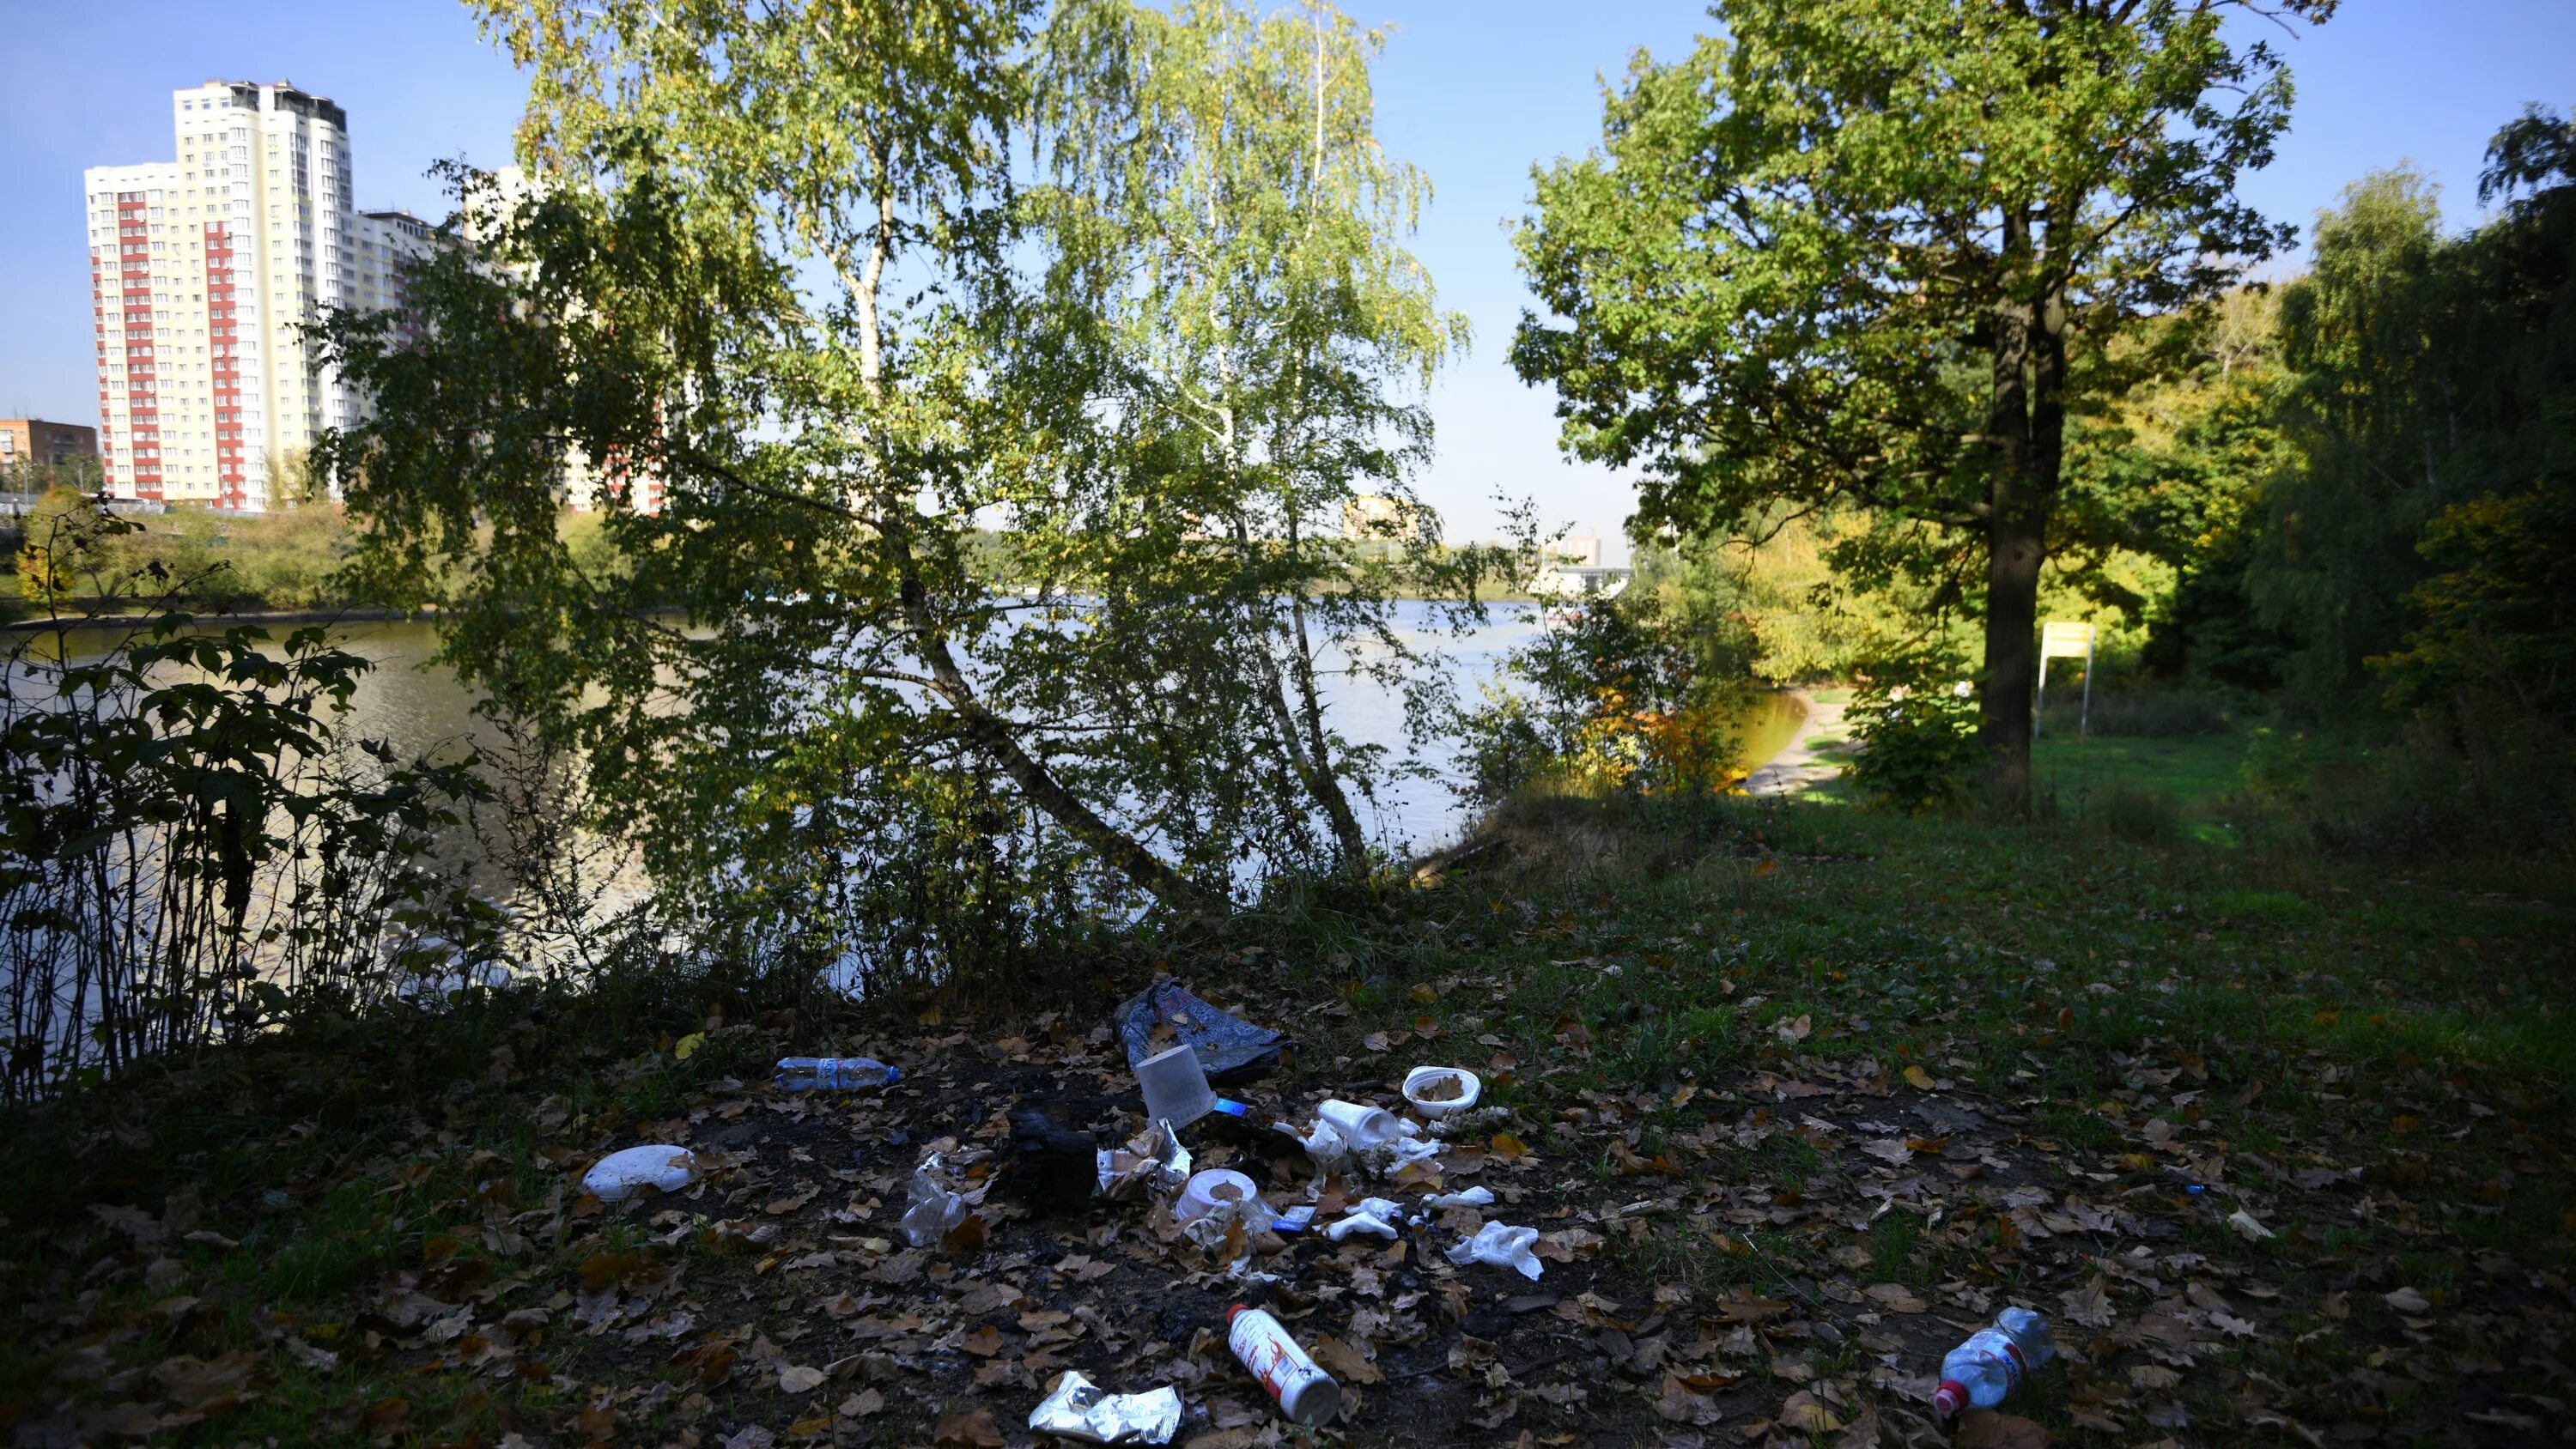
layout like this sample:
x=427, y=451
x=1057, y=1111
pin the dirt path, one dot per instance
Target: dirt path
x=1815, y=754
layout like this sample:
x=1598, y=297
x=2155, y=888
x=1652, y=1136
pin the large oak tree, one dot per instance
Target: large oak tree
x=1873, y=253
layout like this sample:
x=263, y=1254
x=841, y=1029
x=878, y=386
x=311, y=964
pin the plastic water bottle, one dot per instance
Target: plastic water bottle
x=1979, y=1373
x=833, y=1074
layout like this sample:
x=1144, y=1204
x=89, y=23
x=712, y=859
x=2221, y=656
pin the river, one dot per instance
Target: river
x=416, y=705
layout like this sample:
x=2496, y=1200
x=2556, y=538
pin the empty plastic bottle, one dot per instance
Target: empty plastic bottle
x=833, y=1074
x=1979, y=1373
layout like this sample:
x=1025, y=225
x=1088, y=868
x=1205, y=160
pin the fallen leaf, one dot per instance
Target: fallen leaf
x=1794, y=1030
x=1509, y=1147
x=1351, y=1365
x=1897, y=1298
x=862, y=1404
x=1808, y=1414
x=1986, y=1429
x=974, y=1428
x=1375, y=1043
x=2248, y=1225
x=687, y=1046
x=1918, y=1078
x=2089, y=1305
x=799, y=1379
x=983, y=1342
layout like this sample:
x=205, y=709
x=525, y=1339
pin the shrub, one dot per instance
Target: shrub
x=1917, y=744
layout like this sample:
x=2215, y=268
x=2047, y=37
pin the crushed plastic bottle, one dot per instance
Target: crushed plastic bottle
x=1992, y=1363
x=833, y=1074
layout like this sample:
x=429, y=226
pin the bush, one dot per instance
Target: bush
x=1917, y=744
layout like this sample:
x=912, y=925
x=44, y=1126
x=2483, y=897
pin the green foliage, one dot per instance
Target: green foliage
x=2421, y=517
x=1608, y=693
x=1873, y=256
x=190, y=853
x=1918, y=743
x=779, y=262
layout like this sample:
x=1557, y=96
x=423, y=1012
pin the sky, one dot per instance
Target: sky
x=1472, y=91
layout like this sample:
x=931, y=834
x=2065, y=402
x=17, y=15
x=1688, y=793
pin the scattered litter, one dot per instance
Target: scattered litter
x=1296, y=1219
x=1213, y=1190
x=1501, y=1246
x=1435, y=1092
x=1472, y=1197
x=1176, y=1088
x=1348, y=1133
x=1305, y=1393
x=1152, y=1161
x=1207, y=1225
x=1229, y=1048
x=1360, y=1223
x=1076, y=1408
x=1979, y=1373
x=936, y=1210
x=623, y=1174
x=833, y=1074
x=1359, y=1124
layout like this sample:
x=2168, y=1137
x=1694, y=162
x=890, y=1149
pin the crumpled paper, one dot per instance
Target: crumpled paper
x=1076, y=1408
x=1472, y=1197
x=1501, y=1246
x=1153, y=1160
x=936, y=1208
x=1369, y=1223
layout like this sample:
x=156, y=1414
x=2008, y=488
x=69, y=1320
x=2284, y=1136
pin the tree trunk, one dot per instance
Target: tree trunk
x=2014, y=539
x=2030, y=423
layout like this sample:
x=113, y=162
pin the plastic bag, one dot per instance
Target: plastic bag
x=1229, y=1048
x=624, y=1174
x=936, y=1209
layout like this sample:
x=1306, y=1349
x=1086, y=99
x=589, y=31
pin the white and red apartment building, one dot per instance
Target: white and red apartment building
x=201, y=270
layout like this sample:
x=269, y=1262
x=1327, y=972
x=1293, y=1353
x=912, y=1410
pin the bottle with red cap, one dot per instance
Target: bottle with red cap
x=1979, y=1373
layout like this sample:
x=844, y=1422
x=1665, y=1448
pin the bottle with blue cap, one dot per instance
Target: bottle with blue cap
x=833, y=1074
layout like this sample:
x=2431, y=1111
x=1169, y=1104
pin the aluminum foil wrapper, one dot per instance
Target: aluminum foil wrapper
x=1152, y=1161
x=1077, y=1409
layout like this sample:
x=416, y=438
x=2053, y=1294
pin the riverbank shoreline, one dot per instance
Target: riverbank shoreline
x=247, y=616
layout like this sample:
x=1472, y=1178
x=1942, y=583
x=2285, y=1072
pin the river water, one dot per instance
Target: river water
x=416, y=705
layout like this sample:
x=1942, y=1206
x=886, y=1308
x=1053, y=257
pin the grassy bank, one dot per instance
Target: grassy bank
x=1797, y=1092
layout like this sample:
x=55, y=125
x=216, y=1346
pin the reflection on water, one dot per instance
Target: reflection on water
x=416, y=706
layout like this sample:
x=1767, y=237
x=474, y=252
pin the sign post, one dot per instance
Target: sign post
x=2065, y=641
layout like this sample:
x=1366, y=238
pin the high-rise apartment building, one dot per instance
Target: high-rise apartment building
x=201, y=270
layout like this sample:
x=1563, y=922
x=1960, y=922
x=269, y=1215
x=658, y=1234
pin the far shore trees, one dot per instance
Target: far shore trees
x=1871, y=254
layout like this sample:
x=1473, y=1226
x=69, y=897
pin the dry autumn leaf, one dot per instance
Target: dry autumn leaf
x=1986, y=1429
x=1896, y=1298
x=1807, y=1414
x=1508, y=1147
x=1794, y=1028
x=1918, y=1078
x=799, y=1379
x=1348, y=1363
x=974, y=1428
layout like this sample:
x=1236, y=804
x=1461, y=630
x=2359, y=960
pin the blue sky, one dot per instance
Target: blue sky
x=1473, y=91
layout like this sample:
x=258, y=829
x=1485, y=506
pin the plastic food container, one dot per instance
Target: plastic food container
x=1470, y=1087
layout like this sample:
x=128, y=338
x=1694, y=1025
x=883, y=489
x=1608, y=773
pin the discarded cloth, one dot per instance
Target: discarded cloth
x=1229, y=1048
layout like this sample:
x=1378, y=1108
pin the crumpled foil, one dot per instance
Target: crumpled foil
x=1077, y=1409
x=1153, y=1160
